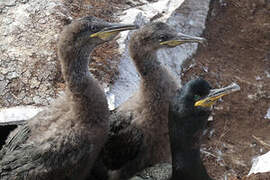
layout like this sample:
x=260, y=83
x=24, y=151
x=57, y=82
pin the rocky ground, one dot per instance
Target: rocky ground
x=238, y=50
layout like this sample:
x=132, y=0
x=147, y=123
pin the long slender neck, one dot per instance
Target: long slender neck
x=147, y=65
x=185, y=149
x=82, y=89
x=75, y=68
x=155, y=77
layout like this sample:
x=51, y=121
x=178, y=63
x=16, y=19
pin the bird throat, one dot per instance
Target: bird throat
x=147, y=65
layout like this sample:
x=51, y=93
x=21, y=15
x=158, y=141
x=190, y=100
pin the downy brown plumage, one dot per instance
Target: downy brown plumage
x=147, y=110
x=63, y=141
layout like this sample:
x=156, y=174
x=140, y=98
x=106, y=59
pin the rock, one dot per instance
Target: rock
x=37, y=100
x=2, y=77
x=12, y=75
x=34, y=83
x=3, y=85
x=28, y=47
x=8, y=3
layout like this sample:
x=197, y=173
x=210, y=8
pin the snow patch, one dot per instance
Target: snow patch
x=18, y=113
x=261, y=164
x=267, y=116
x=110, y=98
x=267, y=74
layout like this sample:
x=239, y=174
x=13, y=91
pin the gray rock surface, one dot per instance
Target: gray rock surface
x=28, y=62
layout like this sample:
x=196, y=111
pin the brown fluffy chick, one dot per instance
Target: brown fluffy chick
x=63, y=141
x=147, y=109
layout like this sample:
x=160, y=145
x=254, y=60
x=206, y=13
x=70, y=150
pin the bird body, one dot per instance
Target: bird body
x=188, y=114
x=63, y=141
x=147, y=110
x=186, y=124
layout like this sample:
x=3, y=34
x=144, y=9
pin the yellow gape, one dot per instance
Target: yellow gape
x=209, y=101
x=216, y=94
x=112, y=32
x=172, y=43
x=105, y=35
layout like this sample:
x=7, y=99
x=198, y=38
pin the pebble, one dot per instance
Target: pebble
x=3, y=85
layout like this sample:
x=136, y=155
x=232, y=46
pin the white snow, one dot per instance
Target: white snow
x=18, y=113
x=110, y=98
x=261, y=164
x=267, y=74
x=267, y=116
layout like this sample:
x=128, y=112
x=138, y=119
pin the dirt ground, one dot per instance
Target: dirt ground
x=238, y=50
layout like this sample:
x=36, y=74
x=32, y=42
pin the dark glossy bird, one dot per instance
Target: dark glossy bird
x=142, y=121
x=63, y=141
x=188, y=114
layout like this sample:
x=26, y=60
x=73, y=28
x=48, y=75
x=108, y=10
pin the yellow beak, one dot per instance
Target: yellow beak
x=112, y=31
x=216, y=94
x=182, y=39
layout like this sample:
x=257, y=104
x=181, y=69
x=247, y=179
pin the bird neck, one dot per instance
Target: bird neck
x=75, y=69
x=185, y=149
x=147, y=65
x=82, y=89
x=155, y=78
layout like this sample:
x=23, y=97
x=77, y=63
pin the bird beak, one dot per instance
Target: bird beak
x=113, y=30
x=216, y=94
x=182, y=39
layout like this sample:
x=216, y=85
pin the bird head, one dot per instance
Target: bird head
x=158, y=35
x=215, y=94
x=190, y=107
x=90, y=30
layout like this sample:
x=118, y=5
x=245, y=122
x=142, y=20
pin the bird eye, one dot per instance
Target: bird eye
x=197, y=97
x=163, y=37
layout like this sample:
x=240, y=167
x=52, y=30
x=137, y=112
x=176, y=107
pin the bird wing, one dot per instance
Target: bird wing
x=21, y=158
x=16, y=138
x=124, y=140
x=52, y=158
x=5, y=131
x=122, y=146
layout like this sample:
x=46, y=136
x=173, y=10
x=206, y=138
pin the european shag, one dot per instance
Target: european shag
x=146, y=112
x=63, y=141
x=188, y=114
